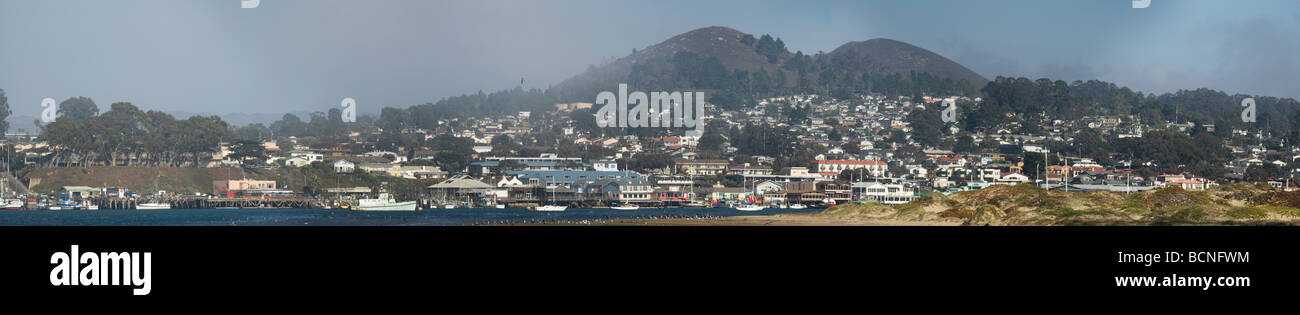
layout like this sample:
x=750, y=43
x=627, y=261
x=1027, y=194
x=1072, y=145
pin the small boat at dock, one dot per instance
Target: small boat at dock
x=626, y=207
x=153, y=206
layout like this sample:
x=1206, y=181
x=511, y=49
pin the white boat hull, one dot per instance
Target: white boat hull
x=551, y=208
x=749, y=208
x=153, y=206
x=626, y=208
x=399, y=206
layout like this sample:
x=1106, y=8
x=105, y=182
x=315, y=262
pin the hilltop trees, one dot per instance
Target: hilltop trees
x=78, y=109
x=125, y=135
x=772, y=49
x=1007, y=99
x=253, y=132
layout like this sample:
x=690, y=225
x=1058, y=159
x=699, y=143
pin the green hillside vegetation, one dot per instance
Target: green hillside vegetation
x=1233, y=204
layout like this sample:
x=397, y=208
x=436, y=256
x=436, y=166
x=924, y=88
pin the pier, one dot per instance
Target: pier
x=211, y=203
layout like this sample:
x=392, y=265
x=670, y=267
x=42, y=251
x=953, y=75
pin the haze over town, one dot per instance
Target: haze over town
x=303, y=56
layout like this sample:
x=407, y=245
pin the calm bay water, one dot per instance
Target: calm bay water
x=293, y=217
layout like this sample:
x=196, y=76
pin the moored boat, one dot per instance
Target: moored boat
x=549, y=208
x=384, y=202
x=12, y=204
x=626, y=207
x=153, y=206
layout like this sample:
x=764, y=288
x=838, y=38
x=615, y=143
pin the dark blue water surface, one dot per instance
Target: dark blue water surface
x=192, y=217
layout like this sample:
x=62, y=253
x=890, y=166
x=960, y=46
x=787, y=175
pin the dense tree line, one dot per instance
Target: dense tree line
x=125, y=135
x=1010, y=99
x=1175, y=152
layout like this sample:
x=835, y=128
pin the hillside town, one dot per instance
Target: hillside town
x=823, y=151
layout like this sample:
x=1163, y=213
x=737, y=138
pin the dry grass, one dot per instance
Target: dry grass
x=1236, y=204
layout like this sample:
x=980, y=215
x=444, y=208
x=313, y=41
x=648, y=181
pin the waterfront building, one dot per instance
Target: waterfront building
x=628, y=190
x=764, y=187
x=459, y=187
x=889, y=194
x=246, y=188
x=568, y=177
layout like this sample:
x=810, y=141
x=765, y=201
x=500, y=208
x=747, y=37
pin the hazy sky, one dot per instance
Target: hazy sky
x=306, y=55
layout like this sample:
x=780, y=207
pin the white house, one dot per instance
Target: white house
x=296, y=162
x=1013, y=178
x=343, y=166
x=308, y=156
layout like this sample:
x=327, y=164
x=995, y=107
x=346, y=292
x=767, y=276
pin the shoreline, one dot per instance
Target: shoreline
x=784, y=219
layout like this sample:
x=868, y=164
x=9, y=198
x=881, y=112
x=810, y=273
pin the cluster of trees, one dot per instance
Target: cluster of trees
x=784, y=146
x=125, y=135
x=773, y=49
x=427, y=115
x=322, y=125
x=1202, y=153
x=927, y=128
x=1010, y=99
x=843, y=81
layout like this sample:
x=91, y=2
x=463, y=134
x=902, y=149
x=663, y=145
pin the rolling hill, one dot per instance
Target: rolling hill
x=758, y=66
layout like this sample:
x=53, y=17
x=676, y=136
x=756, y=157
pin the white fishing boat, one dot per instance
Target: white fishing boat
x=12, y=204
x=550, y=208
x=153, y=206
x=384, y=202
x=626, y=207
x=798, y=206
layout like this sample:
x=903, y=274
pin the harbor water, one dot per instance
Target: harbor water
x=337, y=217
